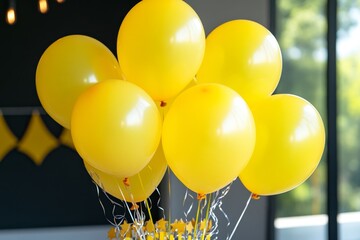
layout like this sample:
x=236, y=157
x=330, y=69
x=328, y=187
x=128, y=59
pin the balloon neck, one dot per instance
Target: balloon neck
x=126, y=182
x=201, y=196
x=255, y=196
x=163, y=103
x=134, y=207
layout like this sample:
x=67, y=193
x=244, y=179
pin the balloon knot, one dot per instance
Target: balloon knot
x=255, y=196
x=162, y=103
x=201, y=196
x=134, y=207
x=126, y=182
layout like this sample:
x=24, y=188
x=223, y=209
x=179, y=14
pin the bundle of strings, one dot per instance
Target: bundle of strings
x=204, y=226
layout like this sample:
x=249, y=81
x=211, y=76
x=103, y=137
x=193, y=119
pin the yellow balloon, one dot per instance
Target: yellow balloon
x=290, y=140
x=116, y=127
x=160, y=46
x=68, y=67
x=136, y=188
x=208, y=137
x=165, y=106
x=243, y=55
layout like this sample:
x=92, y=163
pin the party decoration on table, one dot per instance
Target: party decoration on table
x=201, y=108
x=201, y=227
x=179, y=230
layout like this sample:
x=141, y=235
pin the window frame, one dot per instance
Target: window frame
x=331, y=115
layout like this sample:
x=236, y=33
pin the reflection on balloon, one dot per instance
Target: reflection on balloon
x=243, y=55
x=160, y=46
x=116, y=127
x=68, y=67
x=208, y=137
x=290, y=139
x=140, y=186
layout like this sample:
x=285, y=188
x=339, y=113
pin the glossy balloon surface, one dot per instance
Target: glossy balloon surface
x=243, y=55
x=160, y=46
x=290, y=140
x=68, y=67
x=136, y=188
x=208, y=137
x=116, y=127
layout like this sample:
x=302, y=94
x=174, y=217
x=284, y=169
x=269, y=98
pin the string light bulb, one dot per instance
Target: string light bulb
x=11, y=13
x=43, y=6
x=11, y=16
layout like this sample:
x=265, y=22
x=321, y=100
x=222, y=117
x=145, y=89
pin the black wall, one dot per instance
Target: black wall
x=59, y=192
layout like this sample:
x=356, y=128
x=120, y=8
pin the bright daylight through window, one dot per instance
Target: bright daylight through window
x=301, y=28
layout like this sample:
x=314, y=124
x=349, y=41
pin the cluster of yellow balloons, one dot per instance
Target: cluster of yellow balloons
x=225, y=124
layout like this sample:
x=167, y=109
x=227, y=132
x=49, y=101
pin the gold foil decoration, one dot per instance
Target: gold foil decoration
x=203, y=224
x=112, y=233
x=37, y=141
x=7, y=139
x=161, y=225
x=66, y=139
x=178, y=226
x=125, y=229
x=189, y=227
x=150, y=228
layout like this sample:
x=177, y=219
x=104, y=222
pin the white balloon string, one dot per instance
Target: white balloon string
x=204, y=203
x=143, y=216
x=214, y=230
x=98, y=183
x=169, y=192
x=139, y=216
x=158, y=204
x=139, y=231
x=149, y=202
x=241, y=216
x=217, y=204
x=187, y=210
x=121, y=217
x=115, y=204
x=224, y=192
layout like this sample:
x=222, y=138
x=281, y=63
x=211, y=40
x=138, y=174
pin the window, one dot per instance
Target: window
x=348, y=81
x=306, y=34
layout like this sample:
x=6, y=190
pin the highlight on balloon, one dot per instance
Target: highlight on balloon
x=177, y=101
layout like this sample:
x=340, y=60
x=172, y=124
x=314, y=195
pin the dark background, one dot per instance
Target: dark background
x=22, y=44
x=59, y=192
